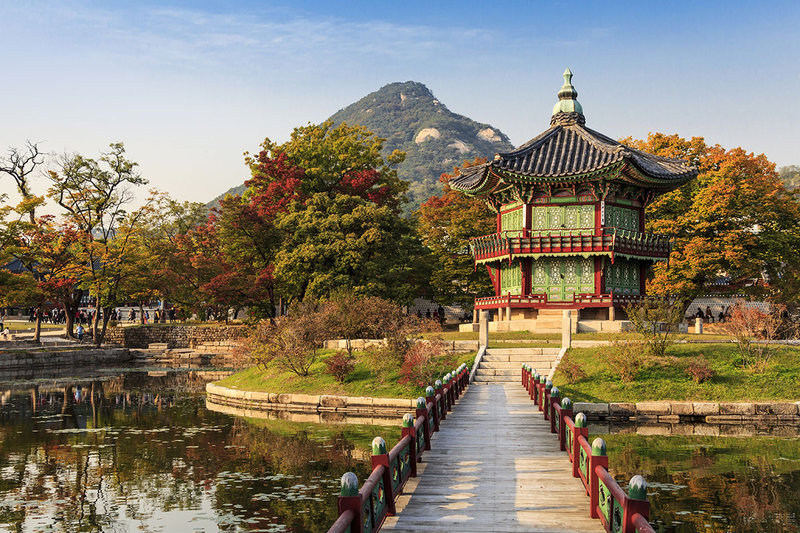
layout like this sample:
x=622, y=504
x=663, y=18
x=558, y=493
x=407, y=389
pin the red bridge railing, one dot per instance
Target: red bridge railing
x=619, y=512
x=364, y=510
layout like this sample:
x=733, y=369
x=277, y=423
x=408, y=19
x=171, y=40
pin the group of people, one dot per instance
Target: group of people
x=159, y=315
x=708, y=315
x=438, y=314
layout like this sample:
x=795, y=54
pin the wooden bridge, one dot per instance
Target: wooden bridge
x=509, y=457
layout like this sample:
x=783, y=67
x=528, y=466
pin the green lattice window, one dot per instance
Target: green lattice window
x=557, y=219
x=512, y=220
x=622, y=218
x=510, y=278
x=623, y=277
x=562, y=277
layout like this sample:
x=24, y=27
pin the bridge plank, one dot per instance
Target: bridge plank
x=494, y=467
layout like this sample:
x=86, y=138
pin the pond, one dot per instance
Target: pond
x=136, y=450
x=122, y=451
x=741, y=484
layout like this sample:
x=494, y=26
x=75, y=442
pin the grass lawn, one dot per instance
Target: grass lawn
x=666, y=378
x=363, y=381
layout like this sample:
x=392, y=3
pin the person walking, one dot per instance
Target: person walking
x=79, y=332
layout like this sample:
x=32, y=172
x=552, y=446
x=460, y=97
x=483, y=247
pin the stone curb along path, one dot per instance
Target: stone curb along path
x=782, y=413
x=308, y=403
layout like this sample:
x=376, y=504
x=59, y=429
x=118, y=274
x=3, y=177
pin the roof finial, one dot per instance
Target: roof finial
x=567, y=100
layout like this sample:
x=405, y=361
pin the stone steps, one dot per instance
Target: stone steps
x=503, y=365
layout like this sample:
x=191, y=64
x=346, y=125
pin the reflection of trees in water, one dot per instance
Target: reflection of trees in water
x=94, y=455
x=751, y=482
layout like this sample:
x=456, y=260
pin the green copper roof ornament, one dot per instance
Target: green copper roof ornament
x=567, y=97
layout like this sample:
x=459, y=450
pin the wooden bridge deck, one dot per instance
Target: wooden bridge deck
x=494, y=467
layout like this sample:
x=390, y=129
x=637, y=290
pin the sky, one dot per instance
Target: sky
x=190, y=86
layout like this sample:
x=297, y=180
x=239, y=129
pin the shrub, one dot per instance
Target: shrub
x=291, y=342
x=340, y=365
x=699, y=369
x=571, y=371
x=656, y=319
x=755, y=331
x=423, y=361
x=625, y=359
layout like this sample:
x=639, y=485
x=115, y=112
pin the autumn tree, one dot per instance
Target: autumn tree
x=736, y=220
x=47, y=251
x=446, y=225
x=94, y=194
x=321, y=213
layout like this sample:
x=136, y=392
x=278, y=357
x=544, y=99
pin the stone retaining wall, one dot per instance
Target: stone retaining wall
x=782, y=413
x=695, y=428
x=176, y=336
x=27, y=359
x=307, y=403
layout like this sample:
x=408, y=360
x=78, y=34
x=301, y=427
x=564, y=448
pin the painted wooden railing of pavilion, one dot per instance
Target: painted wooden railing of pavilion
x=364, y=510
x=619, y=512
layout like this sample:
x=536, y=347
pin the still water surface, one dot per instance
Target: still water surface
x=136, y=450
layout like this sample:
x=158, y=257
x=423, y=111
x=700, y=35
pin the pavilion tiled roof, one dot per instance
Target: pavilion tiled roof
x=568, y=150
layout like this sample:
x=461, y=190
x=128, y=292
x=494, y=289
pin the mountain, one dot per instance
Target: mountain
x=791, y=177
x=434, y=138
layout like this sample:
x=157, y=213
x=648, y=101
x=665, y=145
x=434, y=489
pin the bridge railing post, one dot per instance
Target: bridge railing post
x=441, y=412
x=409, y=430
x=564, y=412
x=635, y=504
x=540, y=392
x=545, y=405
x=525, y=376
x=428, y=412
x=349, y=499
x=554, y=401
x=430, y=399
x=380, y=457
x=598, y=458
x=579, y=430
x=534, y=386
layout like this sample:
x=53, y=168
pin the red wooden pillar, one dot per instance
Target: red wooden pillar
x=426, y=426
x=432, y=402
x=566, y=412
x=554, y=400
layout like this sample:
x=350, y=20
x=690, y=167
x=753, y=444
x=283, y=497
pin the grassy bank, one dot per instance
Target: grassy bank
x=666, y=378
x=365, y=380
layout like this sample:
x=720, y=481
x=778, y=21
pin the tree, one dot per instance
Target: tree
x=47, y=252
x=446, y=225
x=94, y=195
x=21, y=165
x=735, y=220
x=346, y=243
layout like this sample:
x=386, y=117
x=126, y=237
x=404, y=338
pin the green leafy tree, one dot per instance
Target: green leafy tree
x=446, y=225
x=346, y=243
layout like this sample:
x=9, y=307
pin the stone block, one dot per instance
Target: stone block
x=724, y=419
x=653, y=408
x=359, y=402
x=621, y=410
x=738, y=430
x=393, y=403
x=682, y=408
x=590, y=409
x=332, y=401
x=305, y=399
x=774, y=408
x=672, y=419
x=736, y=408
x=705, y=408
